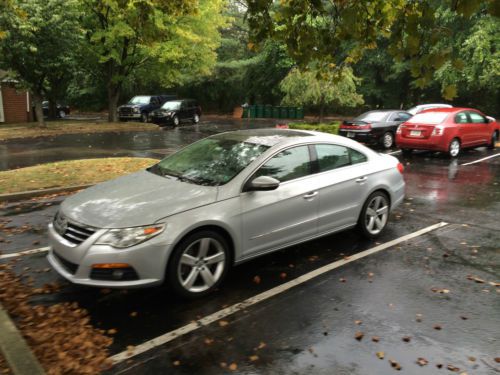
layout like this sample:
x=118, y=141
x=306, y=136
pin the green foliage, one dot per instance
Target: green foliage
x=321, y=86
x=332, y=128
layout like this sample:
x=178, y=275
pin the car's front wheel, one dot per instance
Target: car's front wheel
x=387, y=140
x=62, y=113
x=454, y=148
x=199, y=264
x=374, y=215
x=144, y=117
x=176, y=121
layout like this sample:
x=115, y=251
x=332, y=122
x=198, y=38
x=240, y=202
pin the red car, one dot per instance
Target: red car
x=447, y=130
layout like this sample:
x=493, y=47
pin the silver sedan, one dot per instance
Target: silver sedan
x=218, y=202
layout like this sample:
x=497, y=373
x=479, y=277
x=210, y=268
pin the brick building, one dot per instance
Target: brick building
x=15, y=104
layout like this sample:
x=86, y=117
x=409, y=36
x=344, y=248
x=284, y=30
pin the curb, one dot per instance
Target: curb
x=15, y=350
x=35, y=193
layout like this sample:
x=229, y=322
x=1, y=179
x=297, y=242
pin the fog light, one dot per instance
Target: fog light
x=111, y=265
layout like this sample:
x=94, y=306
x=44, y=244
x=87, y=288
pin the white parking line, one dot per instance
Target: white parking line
x=480, y=160
x=172, y=335
x=26, y=252
x=394, y=152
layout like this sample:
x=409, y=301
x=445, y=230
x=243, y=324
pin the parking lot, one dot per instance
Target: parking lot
x=423, y=299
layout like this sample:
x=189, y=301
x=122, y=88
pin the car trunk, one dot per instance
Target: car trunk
x=421, y=131
x=355, y=125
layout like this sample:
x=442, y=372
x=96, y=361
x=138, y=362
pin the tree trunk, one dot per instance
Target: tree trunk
x=321, y=110
x=37, y=100
x=52, y=109
x=113, y=97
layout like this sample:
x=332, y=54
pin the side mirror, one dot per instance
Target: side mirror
x=262, y=183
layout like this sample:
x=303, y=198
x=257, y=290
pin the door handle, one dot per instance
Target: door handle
x=361, y=179
x=310, y=195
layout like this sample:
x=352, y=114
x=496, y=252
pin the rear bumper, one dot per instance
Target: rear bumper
x=431, y=143
x=360, y=136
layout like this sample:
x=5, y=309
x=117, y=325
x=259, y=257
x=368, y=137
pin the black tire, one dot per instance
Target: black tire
x=387, y=140
x=454, y=148
x=176, y=121
x=493, y=141
x=176, y=271
x=363, y=221
x=144, y=117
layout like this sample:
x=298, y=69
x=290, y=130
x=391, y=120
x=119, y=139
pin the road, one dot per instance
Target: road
x=432, y=296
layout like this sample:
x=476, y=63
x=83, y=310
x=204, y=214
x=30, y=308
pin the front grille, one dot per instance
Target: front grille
x=114, y=274
x=71, y=231
x=70, y=267
x=125, y=111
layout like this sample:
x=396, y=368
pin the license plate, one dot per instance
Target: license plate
x=415, y=133
x=351, y=134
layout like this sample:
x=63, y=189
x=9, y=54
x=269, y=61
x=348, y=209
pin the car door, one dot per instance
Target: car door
x=465, y=129
x=479, y=127
x=276, y=218
x=184, y=112
x=344, y=184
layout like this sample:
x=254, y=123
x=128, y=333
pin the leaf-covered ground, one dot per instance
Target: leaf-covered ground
x=69, y=173
x=30, y=129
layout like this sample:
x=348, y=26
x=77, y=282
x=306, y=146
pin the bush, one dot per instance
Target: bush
x=332, y=128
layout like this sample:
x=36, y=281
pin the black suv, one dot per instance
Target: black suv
x=140, y=107
x=175, y=111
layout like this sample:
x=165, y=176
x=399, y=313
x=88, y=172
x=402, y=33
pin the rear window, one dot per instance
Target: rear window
x=428, y=118
x=372, y=116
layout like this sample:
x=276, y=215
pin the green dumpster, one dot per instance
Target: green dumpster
x=245, y=112
x=300, y=113
x=276, y=112
x=252, y=111
x=259, y=111
x=292, y=112
x=283, y=112
x=268, y=111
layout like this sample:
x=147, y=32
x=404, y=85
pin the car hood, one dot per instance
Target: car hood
x=137, y=199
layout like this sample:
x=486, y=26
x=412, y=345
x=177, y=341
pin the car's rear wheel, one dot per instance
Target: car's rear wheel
x=196, y=118
x=374, y=215
x=176, y=121
x=493, y=141
x=199, y=264
x=454, y=148
x=62, y=113
x=144, y=117
x=387, y=140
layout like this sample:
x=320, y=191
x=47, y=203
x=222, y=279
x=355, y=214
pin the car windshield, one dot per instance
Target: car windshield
x=428, y=118
x=211, y=161
x=171, y=106
x=139, y=100
x=371, y=116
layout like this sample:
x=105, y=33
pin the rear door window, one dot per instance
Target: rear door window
x=461, y=118
x=332, y=156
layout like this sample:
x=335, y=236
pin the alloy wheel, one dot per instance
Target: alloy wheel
x=176, y=120
x=196, y=118
x=376, y=215
x=201, y=265
x=388, y=140
x=454, y=148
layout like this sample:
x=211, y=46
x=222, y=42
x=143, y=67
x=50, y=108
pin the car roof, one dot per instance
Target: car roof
x=277, y=137
x=448, y=110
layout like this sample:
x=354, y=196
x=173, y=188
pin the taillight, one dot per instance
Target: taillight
x=365, y=127
x=438, y=130
x=399, y=130
x=401, y=168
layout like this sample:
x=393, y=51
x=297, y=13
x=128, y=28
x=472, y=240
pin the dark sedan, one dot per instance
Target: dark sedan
x=375, y=127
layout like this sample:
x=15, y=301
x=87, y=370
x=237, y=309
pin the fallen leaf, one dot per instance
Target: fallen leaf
x=406, y=338
x=133, y=314
x=439, y=365
x=375, y=339
x=233, y=366
x=437, y=327
x=223, y=323
x=422, y=361
x=177, y=363
x=395, y=365
x=359, y=336
x=463, y=317
x=453, y=368
x=358, y=322
x=253, y=358
x=262, y=345
x=112, y=331
x=342, y=280
x=419, y=318
x=476, y=279
x=497, y=359
x=257, y=279
x=473, y=359
x=209, y=341
x=283, y=275
x=223, y=364
x=380, y=355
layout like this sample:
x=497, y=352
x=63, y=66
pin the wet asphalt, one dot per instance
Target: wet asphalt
x=400, y=295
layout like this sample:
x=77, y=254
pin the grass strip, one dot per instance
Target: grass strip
x=30, y=129
x=332, y=128
x=69, y=173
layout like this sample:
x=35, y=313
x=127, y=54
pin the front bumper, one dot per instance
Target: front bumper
x=129, y=115
x=160, y=120
x=148, y=260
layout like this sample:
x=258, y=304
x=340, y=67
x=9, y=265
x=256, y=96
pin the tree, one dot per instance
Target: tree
x=169, y=41
x=37, y=38
x=341, y=31
x=321, y=86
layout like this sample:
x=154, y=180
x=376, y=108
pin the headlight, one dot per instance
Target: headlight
x=136, y=110
x=126, y=237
